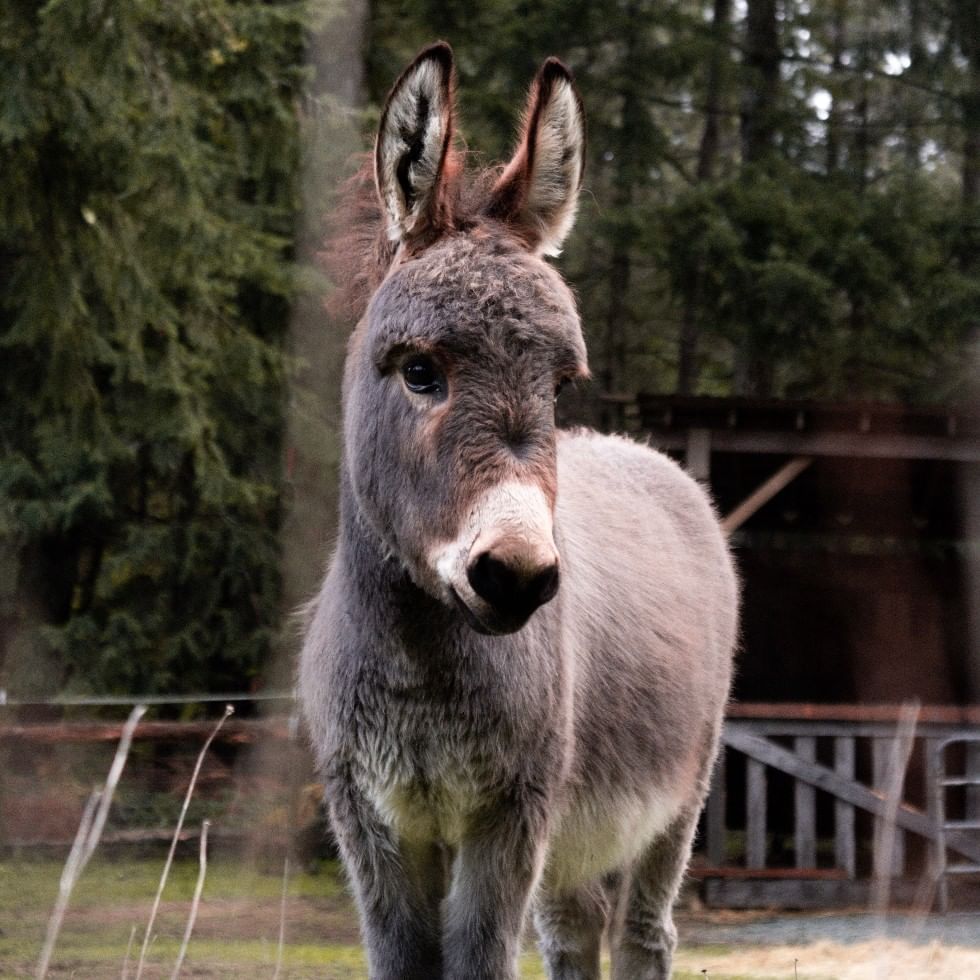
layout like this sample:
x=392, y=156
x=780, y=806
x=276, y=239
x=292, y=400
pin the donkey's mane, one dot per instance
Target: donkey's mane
x=357, y=251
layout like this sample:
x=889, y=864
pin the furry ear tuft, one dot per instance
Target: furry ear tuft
x=537, y=194
x=413, y=144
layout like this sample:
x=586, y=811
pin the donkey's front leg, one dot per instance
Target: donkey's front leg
x=496, y=869
x=398, y=887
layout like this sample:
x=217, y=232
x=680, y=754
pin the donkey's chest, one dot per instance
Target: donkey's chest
x=425, y=790
x=425, y=765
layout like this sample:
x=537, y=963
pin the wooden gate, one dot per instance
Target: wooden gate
x=818, y=806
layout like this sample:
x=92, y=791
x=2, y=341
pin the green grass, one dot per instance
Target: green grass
x=236, y=935
x=35, y=882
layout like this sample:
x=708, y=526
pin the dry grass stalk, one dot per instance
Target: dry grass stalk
x=282, y=919
x=229, y=711
x=87, y=838
x=129, y=948
x=894, y=782
x=69, y=874
x=198, y=888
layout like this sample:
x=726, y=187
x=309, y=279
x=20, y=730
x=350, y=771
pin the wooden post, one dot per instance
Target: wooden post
x=939, y=816
x=805, y=807
x=934, y=809
x=715, y=814
x=755, y=814
x=972, y=811
x=881, y=756
x=845, y=852
x=697, y=457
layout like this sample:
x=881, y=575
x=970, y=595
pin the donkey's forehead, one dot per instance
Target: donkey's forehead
x=463, y=290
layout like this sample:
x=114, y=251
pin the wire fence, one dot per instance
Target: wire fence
x=127, y=700
x=256, y=779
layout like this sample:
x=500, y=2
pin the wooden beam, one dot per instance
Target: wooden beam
x=862, y=445
x=942, y=714
x=761, y=750
x=763, y=494
x=800, y=893
x=767, y=874
x=237, y=731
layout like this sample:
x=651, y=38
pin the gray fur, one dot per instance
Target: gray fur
x=471, y=775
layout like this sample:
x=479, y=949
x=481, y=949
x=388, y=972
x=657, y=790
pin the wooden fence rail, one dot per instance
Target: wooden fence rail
x=236, y=731
x=855, y=743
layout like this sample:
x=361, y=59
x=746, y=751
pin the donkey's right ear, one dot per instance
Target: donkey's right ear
x=414, y=144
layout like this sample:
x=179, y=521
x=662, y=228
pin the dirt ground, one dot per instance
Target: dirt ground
x=852, y=946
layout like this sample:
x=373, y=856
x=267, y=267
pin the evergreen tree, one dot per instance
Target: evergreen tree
x=149, y=155
x=778, y=194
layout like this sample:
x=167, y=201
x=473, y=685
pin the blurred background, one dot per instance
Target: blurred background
x=777, y=261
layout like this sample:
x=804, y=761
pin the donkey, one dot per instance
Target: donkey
x=515, y=672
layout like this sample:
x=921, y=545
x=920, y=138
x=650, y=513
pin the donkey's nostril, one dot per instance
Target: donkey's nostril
x=491, y=579
x=512, y=590
x=545, y=584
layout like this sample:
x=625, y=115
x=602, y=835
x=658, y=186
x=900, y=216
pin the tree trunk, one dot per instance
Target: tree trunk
x=968, y=16
x=913, y=141
x=759, y=115
x=838, y=46
x=971, y=144
x=760, y=125
x=625, y=180
x=620, y=272
x=714, y=86
x=687, y=354
x=862, y=136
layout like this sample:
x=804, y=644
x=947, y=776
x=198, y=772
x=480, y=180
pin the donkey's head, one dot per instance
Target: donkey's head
x=454, y=369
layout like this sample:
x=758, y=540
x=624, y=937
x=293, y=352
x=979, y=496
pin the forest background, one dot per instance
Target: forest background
x=782, y=200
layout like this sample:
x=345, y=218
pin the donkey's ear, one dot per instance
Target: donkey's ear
x=414, y=137
x=538, y=191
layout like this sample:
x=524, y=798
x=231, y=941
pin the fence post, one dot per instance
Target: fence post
x=845, y=851
x=755, y=807
x=805, y=808
x=934, y=806
x=881, y=756
x=715, y=813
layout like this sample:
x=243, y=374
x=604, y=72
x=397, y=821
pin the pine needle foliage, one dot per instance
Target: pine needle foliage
x=149, y=153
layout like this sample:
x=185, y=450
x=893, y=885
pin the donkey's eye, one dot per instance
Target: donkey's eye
x=560, y=387
x=421, y=375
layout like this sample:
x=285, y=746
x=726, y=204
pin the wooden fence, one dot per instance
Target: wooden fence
x=805, y=809
x=821, y=806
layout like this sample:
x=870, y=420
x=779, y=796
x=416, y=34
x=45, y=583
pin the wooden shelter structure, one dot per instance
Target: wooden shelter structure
x=857, y=532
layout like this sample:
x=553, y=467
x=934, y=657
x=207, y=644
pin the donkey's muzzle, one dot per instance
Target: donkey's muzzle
x=513, y=585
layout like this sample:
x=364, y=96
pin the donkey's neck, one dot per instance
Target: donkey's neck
x=392, y=603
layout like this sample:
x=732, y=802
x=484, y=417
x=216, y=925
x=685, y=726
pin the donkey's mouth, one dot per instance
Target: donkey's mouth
x=496, y=625
x=472, y=620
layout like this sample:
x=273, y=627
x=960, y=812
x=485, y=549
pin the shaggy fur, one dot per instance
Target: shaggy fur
x=483, y=757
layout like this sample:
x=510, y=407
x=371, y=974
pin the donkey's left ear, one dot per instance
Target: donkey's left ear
x=411, y=157
x=537, y=193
